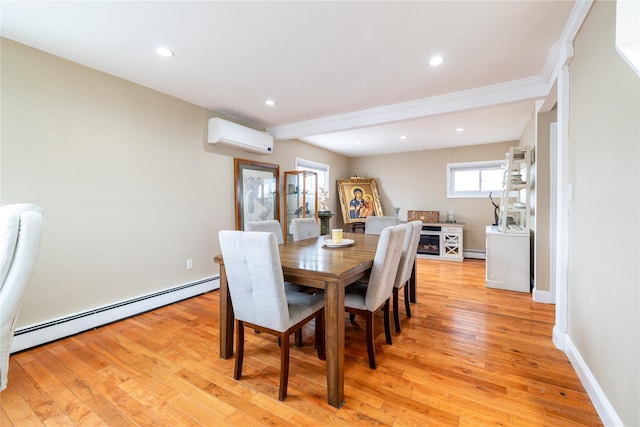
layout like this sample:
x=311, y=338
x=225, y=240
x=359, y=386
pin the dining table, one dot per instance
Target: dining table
x=314, y=263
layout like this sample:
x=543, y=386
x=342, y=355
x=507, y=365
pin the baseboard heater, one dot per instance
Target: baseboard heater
x=32, y=336
x=474, y=253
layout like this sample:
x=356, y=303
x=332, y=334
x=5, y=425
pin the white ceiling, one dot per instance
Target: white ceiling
x=340, y=71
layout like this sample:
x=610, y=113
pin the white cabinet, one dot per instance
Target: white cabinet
x=451, y=243
x=441, y=241
x=508, y=265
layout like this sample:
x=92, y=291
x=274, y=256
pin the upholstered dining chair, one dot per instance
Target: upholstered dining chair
x=407, y=262
x=259, y=299
x=304, y=228
x=375, y=224
x=365, y=299
x=271, y=225
x=20, y=231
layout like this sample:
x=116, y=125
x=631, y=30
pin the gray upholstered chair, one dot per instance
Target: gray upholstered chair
x=407, y=262
x=304, y=228
x=259, y=299
x=271, y=225
x=375, y=224
x=20, y=231
x=366, y=298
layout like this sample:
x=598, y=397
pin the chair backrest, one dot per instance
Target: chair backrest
x=375, y=224
x=255, y=278
x=20, y=232
x=385, y=266
x=271, y=225
x=304, y=228
x=409, y=252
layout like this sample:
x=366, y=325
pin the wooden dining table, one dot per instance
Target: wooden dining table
x=309, y=262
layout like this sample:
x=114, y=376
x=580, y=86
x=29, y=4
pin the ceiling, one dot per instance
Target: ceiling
x=339, y=71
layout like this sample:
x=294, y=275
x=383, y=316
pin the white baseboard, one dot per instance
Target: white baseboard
x=31, y=336
x=558, y=338
x=606, y=412
x=545, y=297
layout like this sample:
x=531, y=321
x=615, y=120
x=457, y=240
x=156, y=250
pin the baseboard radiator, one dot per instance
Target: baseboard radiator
x=31, y=336
x=474, y=253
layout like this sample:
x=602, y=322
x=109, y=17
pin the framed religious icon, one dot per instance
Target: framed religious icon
x=358, y=199
x=256, y=194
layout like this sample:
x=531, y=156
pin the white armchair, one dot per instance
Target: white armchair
x=20, y=231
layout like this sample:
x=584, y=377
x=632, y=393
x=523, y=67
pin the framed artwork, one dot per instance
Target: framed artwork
x=256, y=194
x=358, y=199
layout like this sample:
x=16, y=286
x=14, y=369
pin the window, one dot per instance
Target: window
x=320, y=168
x=476, y=179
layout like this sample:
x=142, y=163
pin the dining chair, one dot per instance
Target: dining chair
x=375, y=224
x=407, y=263
x=259, y=299
x=304, y=228
x=365, y=299
x=20, y=232
x=271, y=225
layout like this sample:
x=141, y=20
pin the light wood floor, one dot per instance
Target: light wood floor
x=468, y=356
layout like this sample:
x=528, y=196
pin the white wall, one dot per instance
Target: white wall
x=418, y=181
x=604, y=220
x=129, y=185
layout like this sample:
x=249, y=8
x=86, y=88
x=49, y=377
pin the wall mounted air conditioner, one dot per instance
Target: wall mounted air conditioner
x=229, y=134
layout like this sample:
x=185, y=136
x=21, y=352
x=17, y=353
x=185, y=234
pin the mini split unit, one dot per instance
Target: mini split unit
x=229, y=134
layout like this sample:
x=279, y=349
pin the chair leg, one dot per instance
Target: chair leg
x=370, y=347
x=396, y=314
x=237, y=372
x=387, y=326
x=284, y=368
x=320, y=345
x=407, y=304
x=298, y=337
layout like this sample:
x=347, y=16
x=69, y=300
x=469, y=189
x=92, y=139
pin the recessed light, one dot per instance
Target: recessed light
x=460, y=129
x=270, y=102
x=164, y=51
x=357, y=142
x=436, y=60
x=403, y=136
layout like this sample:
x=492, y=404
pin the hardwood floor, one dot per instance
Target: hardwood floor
x=468, y=356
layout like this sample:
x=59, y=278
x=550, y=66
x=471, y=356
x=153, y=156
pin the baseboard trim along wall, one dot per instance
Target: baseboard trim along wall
x=606, y=412
x=545, y=297
x=474, y=253
x=31, y=336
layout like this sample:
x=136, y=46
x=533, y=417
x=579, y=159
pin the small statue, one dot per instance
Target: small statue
x=323, y=196
x=495, y=211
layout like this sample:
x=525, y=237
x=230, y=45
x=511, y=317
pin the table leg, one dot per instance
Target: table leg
x=334, y=341
x=412, y=283
x=226, y=317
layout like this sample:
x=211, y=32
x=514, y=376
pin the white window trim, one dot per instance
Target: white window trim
x=316, y=165
x=469, y=165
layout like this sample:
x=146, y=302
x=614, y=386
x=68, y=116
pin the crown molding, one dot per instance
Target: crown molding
x=561, y=53
x=514, y=91
x=531, y=88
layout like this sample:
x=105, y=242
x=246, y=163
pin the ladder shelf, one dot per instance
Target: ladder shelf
x=515, y=198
